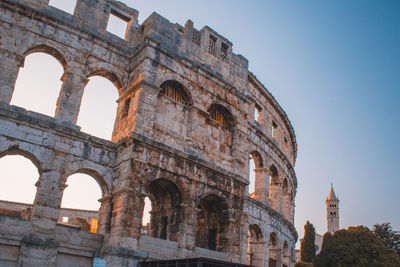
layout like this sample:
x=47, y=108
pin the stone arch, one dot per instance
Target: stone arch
x=166, y=209
x=28, y=193
x=42, y=48
x=109, y=75
x=180, y=88
x=101, y=222
x=275, y=193
x=96, y=175
x=222, y=115
x=257, y=176
x=274, y=250
x=16, y=150
x=212, y=223
x=255, y=249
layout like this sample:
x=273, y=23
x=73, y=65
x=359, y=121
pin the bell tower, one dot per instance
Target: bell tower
x=332, y=211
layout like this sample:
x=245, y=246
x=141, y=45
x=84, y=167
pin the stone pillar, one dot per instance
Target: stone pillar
x=292, y=205
x=275, y=196
x=95, y=13
x=9, y=68
x=261, y=185
x=104, y=215
x=187, y=231
x=257, y=253
x=69, y=100
x=40, y=247
x=126, y=221
x=286, y=206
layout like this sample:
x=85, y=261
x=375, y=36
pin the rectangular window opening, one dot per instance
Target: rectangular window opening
x=66, y=6
x=257, y=113
x=224, y=50
x=274, y=130
x=64, y=219
x=212, y=44
x=285, y=145
x=118, y=25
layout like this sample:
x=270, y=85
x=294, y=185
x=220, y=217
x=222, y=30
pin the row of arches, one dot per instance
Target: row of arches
x=21, y=173
x=267, y=185
x=164, y=216
x=47, y=83
x=258, y=244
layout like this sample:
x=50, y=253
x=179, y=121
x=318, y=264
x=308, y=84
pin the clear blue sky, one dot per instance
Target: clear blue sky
x=334, y=66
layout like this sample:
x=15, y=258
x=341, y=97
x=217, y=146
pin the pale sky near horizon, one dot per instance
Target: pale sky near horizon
x=334, y=67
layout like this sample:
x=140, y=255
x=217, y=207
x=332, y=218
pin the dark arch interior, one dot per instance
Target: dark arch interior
x=212, y=223
x=166, y=210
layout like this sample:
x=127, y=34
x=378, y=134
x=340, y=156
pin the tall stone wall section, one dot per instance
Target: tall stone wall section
x=183, y=136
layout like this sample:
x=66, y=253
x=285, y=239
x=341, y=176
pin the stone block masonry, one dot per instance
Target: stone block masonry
x=185, y=130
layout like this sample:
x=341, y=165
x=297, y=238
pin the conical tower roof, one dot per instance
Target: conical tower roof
x=332, y=195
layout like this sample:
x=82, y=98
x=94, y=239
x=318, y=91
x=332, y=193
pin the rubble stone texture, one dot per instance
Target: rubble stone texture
x=183, y=136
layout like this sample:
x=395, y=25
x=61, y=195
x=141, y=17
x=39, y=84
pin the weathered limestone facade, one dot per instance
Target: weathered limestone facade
x=183, y=136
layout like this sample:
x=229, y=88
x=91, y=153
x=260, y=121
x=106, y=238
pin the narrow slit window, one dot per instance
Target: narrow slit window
x=274, y=130
x=286, y=145
x=126, y=106
x=117, y=25
x=257, y=114
x=66, y=6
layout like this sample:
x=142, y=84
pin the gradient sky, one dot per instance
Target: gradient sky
x=334, y=67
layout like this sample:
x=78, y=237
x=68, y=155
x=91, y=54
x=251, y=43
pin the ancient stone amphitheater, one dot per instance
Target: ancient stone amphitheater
x=190, y=117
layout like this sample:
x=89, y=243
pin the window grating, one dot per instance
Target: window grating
x=196, y=37
x=218, y=116
x=173, y=92
x=212, y=44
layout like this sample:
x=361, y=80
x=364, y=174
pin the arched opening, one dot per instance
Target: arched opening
x=274, y=189
x=166, y=210
x=257, y=186
x=98, y=107
x=221, y=115
x=18, y=177
x=274, y=250
x=212, y=224
x=80, y=202
x=252, y=177
x=172, y=115
x=146, y=216
x=255, y=248
x=38, y=84
x=285, y=254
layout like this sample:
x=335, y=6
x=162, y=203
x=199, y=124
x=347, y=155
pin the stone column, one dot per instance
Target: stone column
x=104, y=215
x=126, y=221
x=40, y=247
x=275, y=196
x=9, y=68
x=286, y=206
x=69, y=100
x=257, y=253
x=261, y=185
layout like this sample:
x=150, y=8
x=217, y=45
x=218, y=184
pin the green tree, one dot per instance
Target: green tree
x=307, y=245
x=354, y=247
x=389, y=237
